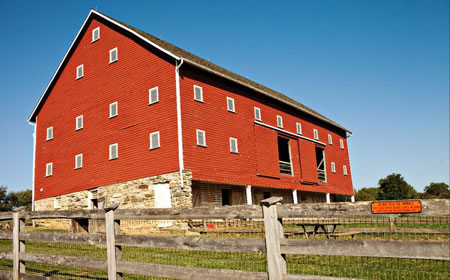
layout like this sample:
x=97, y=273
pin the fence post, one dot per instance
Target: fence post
x=392, y=225
x=18, y=245
x=111, y=249
x=273, y=227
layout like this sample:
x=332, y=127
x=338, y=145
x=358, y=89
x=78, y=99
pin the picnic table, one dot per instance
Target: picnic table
x=328, y=228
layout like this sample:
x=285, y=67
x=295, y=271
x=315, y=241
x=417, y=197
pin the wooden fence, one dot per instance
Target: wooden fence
x=275, y=245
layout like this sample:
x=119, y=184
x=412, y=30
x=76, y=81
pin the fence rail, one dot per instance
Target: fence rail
x=272, y=217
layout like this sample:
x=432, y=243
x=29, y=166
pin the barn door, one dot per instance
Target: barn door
x=308, y=165
x=266, y=152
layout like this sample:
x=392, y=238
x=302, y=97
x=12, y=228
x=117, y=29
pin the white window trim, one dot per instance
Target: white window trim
x=150, y=96
x=50, y=128
x=93, y=31
x=279, y=121
x=345, y=170
x=76, y=122
x=117, y=151
x=110, y=56
x=330, y=139
x=49, y=174
x=232, y=110
x=341, y=142
x=316, y=134
x=333, y=167
x=204, y=137
x=56, y=203
x=82, y=71
x=76, y=161
x=201, y=93
x=237, y=149
x=256, y=109
x=298, y=127
x=117, y=109
x=159, y=140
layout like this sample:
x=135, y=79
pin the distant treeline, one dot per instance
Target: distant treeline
x=11, y=200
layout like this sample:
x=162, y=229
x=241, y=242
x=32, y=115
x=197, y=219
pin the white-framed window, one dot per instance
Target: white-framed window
x=154, y=140
x=49, y=169
x=113, y=151
x=330, y=139
x=198, y=93
x=78, y=161
x=279, y=121
x=234, y=145
x=95, y=34
x=113, y=109
x=79, y=122
x=316, y=134
x=230, y=105
x=341, y=143
x=49, y=133
x=333, y=167
x=153, y=95
x=257, y=114
x=113, y=55
x=201, y=138
x=80, y=71
x=345, y=170
x=299, y=128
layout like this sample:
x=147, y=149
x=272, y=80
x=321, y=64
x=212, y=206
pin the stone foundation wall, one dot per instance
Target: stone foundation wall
x=134, y=194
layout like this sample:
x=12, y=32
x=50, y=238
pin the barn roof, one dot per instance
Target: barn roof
x=194, y=60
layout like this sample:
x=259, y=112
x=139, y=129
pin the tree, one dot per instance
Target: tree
x=3, y=198
x=395, y=187
x=367, y=194
x=18, y=199
x=437, y=190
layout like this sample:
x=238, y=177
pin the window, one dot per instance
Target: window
x=78, y=161
x=316, y=134
x=198, y=93
x=230, y=105
x=233, y=145
x=95, y=34
x=280, y=121
x=113, y=151
x=299, y=128
x=113, y=56
x=80, y=71
x=257, y=114
x=284, y=156
x=226, y=197
x=49, y=169
x=341, y=142
x=345, y=170
x=49, y=133
x=153, y=95
x=113, y=110
x=79, y=122
x=154, y=140
x=321, y=167
x=201, y=139
x=330, y=139
x=333, y=167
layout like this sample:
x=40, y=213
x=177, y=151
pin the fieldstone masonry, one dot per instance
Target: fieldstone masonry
x=134, y=194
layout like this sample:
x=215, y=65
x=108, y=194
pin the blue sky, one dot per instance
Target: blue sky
x=379, y=68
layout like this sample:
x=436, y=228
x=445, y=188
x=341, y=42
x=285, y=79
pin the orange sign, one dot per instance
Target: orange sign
x=396, y=207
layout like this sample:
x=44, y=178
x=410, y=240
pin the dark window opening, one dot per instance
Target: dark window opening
x=284, y=156
x=226, y=197
x=266, y=195
x=320, y=160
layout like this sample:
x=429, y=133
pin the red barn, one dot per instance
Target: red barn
x=130, y=118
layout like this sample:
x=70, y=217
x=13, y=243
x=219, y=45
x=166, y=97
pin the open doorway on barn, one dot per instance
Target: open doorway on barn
x=284, y=156
x=226, y=197
x=321, y=166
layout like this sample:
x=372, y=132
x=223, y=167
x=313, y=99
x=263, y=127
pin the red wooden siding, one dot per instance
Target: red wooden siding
x=126, y=81
x=266, y=156
x=216, y=164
